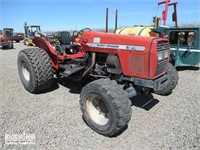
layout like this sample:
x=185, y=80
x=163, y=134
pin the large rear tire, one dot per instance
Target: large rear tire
x=105, y=106
x=35, y=70
x=172, y=81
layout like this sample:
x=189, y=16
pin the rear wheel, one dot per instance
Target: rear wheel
x=172, y=81
x=105, y=106
x=35, y=70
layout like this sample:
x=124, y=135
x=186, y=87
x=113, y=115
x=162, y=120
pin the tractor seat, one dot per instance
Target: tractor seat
x=65, y=38
x=66, y=43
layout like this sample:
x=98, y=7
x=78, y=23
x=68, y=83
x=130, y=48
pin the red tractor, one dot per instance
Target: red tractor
x=5, y=42
x=119, y=66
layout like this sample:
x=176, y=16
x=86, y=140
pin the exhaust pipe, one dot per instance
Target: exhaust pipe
x=116, y=19
x=106, y=20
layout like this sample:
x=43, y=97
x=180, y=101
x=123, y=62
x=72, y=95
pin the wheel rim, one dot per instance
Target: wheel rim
x=97, y=109
x=25, y=72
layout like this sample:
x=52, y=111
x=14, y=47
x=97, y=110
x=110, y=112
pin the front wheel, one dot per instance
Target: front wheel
x=172, y=81
x=105, y=106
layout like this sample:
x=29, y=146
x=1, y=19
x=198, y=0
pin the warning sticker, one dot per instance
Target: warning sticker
x=96, y=40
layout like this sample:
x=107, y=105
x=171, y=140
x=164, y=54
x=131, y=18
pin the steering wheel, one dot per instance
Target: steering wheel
x=75, y=33
x=81, y=31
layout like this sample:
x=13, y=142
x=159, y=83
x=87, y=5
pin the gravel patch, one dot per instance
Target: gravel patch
x=158, y=122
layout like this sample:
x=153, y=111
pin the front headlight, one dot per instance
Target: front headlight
x=165, y=53
x=160, y=55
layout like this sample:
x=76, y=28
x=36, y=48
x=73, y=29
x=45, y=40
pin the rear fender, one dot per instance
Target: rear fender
x=44, y=44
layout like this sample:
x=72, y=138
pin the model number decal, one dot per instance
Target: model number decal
x=115, y=46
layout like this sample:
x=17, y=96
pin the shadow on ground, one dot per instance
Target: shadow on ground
x=145, y=102
x=7, y=49
x=73, y=86
x=192, y=68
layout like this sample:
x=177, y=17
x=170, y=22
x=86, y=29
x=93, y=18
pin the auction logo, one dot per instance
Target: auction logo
x=24, y=138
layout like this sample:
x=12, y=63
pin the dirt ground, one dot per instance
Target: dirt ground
x=158, y=122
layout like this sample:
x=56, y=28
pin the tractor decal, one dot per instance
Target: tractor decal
x=115, y=46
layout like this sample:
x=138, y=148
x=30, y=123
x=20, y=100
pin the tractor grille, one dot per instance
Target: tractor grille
x=162, y=46
x=161, y=66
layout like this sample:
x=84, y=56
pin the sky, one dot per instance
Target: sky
x=56, y=15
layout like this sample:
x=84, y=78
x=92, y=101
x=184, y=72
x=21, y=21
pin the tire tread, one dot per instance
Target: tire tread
x=119, y=100
x=42, y=70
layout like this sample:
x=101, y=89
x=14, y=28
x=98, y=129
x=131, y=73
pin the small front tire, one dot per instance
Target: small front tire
x=105, y=106
x=172, y=81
